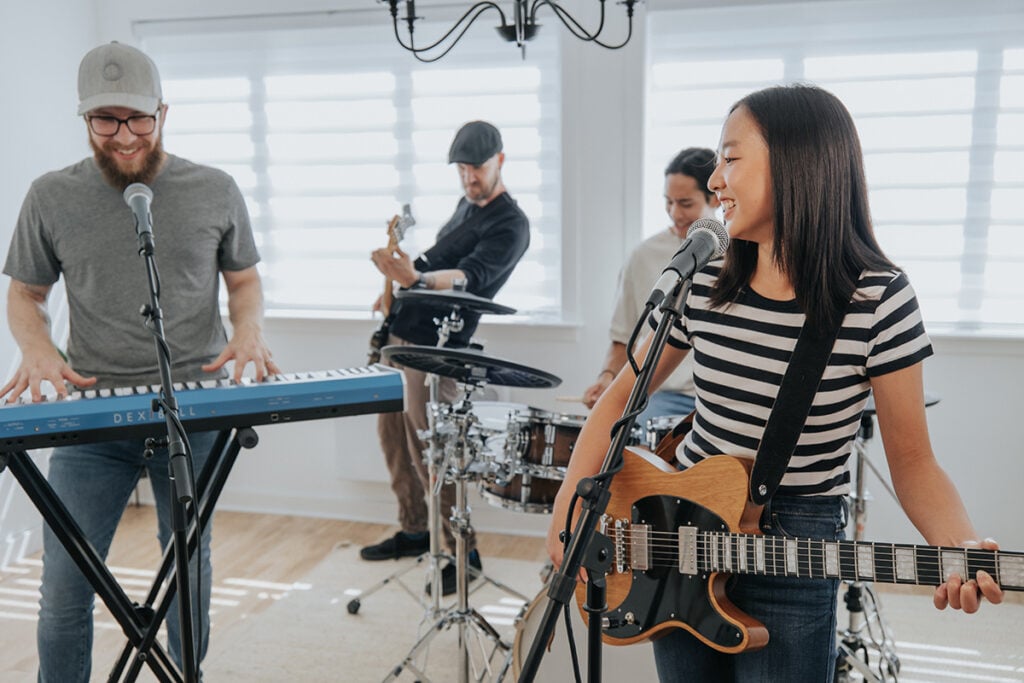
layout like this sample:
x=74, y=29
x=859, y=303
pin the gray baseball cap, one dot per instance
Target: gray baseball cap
x=475, y=143
x=117, y=75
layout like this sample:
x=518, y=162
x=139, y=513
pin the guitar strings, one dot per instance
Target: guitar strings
x=663, y=552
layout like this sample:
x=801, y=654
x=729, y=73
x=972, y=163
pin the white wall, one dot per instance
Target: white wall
x=334, y=469
x=40, y=45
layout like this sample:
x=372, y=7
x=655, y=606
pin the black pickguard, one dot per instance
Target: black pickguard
x=663, y=593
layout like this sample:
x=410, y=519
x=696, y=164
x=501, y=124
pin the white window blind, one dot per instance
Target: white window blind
x=329, y=128
x=936, y=88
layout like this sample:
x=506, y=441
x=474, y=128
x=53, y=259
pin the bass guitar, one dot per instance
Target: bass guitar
x=397, y=227
x=679, y=535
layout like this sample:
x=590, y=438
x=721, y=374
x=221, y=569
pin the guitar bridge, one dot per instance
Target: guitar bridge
x=632, y=546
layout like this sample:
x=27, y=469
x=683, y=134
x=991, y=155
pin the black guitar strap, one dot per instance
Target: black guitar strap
x=792, y=406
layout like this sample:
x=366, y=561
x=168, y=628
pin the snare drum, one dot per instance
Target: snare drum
x=537, y=448
x=634, y=662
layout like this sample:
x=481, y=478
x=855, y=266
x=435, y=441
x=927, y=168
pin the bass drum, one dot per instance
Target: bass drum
x=618, y=662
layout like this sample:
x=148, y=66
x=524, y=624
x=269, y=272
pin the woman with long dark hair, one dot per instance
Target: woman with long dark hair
x=802, y=254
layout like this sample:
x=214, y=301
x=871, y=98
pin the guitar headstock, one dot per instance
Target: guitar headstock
x=400, y=224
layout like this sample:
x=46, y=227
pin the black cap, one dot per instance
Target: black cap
x=475, y=143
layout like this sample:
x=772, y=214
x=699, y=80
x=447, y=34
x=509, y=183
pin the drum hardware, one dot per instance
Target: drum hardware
x=865, y=616
x=453, y=450
x=451, y=323
x=455, y=300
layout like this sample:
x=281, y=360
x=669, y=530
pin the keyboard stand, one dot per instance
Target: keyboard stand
x=140, y=623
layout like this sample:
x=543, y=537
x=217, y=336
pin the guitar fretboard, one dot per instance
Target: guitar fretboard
x=690, y=551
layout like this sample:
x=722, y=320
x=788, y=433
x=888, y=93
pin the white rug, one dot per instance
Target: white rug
x=308, y=635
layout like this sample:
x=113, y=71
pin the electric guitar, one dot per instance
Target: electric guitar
x=397, y=227
x=679, y=535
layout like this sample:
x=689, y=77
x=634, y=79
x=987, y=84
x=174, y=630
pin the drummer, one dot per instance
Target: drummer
x=687, y=199
x=480, y=244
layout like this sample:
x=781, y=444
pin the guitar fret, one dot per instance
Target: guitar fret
x=1009, y=570
x=792, y=558
x=847, y=561
x=778, y=556
x=865, y=561
x=815, y=552
x=741, y=553
x=759, y=560
x=884, y=570
x=727, y=550
x=953, y=560
x=831, y=558
x=906, y=564
x=928, y=562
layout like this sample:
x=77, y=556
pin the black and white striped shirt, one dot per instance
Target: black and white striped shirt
x=741, y=352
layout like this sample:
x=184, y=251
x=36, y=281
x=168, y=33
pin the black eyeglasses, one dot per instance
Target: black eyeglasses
x=107, y=126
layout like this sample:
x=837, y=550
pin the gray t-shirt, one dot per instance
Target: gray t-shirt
x=73, y=223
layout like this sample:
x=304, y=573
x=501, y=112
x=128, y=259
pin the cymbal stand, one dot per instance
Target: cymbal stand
x=438, y=430
x=479, y=643
x=865, y=616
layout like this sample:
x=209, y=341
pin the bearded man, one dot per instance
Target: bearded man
x=75, y=223
x=480, y=245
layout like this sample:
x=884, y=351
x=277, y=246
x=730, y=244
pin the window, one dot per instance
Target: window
x=937, y=92
x=328, y=129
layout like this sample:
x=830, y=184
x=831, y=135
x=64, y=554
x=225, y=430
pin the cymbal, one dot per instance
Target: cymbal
x=929, y=401
x=454, y=298
x=469, y=366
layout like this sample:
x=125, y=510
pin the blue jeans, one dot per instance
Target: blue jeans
x=665, y=403
x=94, y=482
x=800, y=614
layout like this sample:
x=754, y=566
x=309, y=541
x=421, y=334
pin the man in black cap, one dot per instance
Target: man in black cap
x=480, y=244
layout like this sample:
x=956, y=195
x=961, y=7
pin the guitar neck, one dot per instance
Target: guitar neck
x=699, y=552
x=388, y=295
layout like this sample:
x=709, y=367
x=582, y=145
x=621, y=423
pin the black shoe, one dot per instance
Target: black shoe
x=399, y=545
x=448, y=574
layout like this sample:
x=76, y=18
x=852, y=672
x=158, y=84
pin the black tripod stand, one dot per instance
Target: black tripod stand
x=138, y=196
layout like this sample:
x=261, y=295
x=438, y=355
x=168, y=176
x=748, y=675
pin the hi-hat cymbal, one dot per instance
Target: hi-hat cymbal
x=929, y=400
x=452, y=298
x=469, y=366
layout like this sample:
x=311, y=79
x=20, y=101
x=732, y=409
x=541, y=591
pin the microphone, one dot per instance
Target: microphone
x=706, y=239
x=138, y=196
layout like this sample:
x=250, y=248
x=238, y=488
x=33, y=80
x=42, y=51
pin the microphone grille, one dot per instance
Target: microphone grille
x=137, y=189
x=714, y=227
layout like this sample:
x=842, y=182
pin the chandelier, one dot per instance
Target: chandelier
x=521, y=28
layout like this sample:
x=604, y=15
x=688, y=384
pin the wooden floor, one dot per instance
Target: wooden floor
x=256, y=558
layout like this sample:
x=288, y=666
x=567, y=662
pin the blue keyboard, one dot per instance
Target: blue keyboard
x=107, y=414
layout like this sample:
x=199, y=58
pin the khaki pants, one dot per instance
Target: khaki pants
x=404, y=451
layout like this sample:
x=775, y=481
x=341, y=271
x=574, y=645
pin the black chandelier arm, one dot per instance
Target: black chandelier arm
x=568, y=20
x=476, y=10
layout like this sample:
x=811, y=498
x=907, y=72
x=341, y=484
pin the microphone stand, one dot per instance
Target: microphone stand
x=586, y=547
x=180, y=463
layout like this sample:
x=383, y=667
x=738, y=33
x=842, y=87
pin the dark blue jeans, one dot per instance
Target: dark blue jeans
x=800, y=614
x=95, y=481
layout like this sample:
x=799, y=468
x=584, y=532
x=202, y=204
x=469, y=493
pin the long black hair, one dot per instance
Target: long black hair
x=696, y=162
x=823, y=235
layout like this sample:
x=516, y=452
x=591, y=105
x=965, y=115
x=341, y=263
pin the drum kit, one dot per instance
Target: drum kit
x=516, y=454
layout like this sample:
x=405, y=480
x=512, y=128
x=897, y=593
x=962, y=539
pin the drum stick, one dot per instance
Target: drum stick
x=569, y=399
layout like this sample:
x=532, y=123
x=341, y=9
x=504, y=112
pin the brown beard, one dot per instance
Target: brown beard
x=151, y=166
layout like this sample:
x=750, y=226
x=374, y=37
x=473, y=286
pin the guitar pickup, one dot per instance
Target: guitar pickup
x=688, y=550
x=639, y=547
